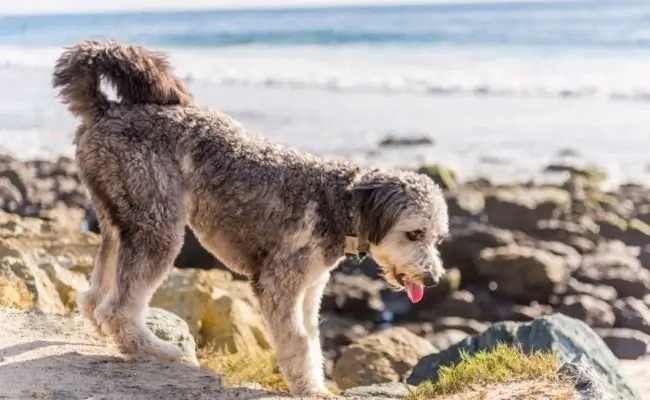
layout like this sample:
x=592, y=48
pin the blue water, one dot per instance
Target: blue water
x=513, y=82
x=611, y=25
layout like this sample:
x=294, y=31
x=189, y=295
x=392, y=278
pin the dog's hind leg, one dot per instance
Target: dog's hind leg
x=103, y=273
x=281, y=299
x=146, y=253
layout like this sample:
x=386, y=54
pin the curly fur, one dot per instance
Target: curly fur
x=153, y=162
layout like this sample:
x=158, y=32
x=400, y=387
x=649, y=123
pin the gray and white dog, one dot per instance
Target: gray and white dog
x=153, y=161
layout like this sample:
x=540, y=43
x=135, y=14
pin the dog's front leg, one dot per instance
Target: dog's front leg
x=281, y=301
x=311, y=313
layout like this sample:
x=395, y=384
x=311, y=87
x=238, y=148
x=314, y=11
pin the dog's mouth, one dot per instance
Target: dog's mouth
x=414, y=290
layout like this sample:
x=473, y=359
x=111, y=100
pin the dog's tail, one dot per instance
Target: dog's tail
x=138, y=75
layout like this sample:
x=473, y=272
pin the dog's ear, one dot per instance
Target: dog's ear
x=379, y=203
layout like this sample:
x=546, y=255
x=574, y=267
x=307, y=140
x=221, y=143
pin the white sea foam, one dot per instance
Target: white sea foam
x=410, y=70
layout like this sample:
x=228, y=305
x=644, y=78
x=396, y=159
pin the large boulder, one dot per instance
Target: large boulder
x=23, y=285
x=569, y=338
x=218, y=310
x=524, y=273
x=55, y=357
x=386, y=356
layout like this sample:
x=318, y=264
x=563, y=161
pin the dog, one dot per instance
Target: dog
x=154, y=162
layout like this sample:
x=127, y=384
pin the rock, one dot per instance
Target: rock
x=67, y=361
x=520, y=209
x=391, y=390
x=173, y=329
x=445, y=339
x=627, y=344
x=467, y=243
x=392, y=141
x=602, y=292
x=442, y=176
x=633, y=314
x=72, y=248
x=570, y=255
x=621, y=271
x=386, y=356
x=23, y=285
x=524, y=273
x=595, y=313
x=217, y=309
x=567, y=337
x=460, y=304
x=354, y=296
x=580, y=236
x=465, y=203
x=68, y=283
x=585, y=378
x=593, y=175
x=337, y=333
x=469, y=326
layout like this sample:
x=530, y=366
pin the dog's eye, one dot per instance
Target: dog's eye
x=417, y=234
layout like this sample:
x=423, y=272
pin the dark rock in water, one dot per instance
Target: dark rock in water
x=621, y=271
x=524, y=273
x=633, y=314
x=627, y=344
x=580, y=236
x=567, y=337
x=567, y=152
x=592, y=175
x=595, y=313
x=393, y=390
x=393, y=141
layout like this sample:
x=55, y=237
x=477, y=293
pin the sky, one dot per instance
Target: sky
x=8, y=7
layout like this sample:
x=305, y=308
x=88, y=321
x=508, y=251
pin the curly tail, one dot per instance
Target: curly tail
x=138, y=75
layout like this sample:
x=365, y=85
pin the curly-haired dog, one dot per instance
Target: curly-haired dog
x=153, y=161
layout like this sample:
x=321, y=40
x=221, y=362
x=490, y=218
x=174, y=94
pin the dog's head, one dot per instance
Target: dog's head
x=403, y=217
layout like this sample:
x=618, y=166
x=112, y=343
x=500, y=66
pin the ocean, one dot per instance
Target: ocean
x=502, y=89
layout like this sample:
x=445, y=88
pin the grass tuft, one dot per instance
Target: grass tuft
x=501, y=365
x=243, y=367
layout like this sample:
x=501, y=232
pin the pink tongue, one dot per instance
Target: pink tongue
x=415, y=291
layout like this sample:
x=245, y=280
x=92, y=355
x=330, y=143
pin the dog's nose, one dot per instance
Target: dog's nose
x=431, y=280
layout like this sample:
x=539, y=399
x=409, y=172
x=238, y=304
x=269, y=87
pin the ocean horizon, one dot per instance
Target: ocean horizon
x=501, y=88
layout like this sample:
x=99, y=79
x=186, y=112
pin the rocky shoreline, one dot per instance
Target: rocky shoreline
x=516, y=252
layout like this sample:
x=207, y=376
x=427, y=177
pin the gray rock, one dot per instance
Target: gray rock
x=619, y=270
x=633, y=314
x=566, y=336
x=585, y=379
x=524, y=273
x=595, y=313
x=393, y=390
x=625, y=343
x=171, y=328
